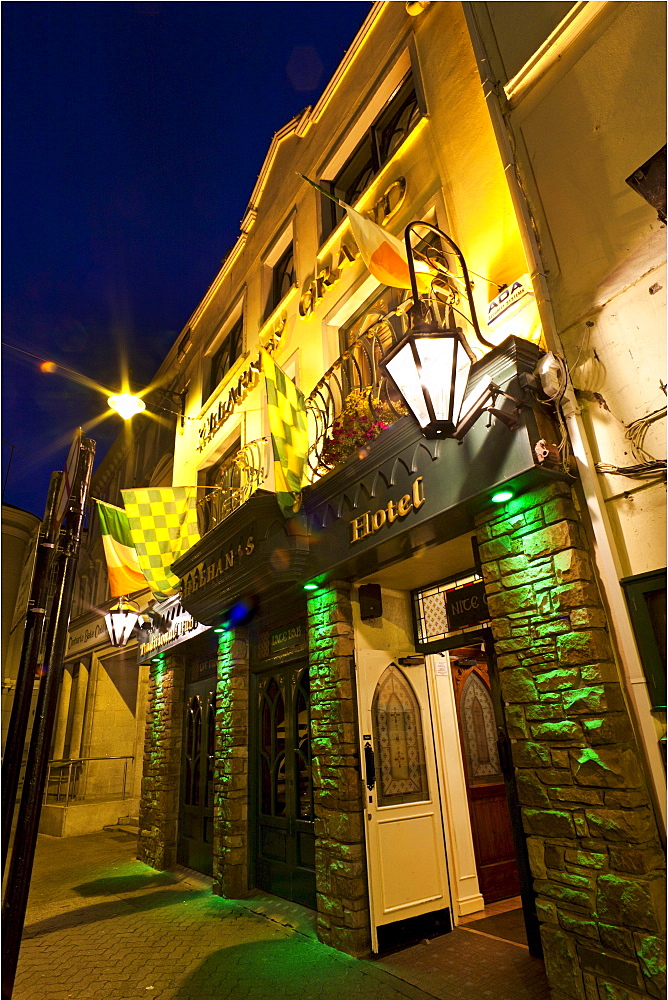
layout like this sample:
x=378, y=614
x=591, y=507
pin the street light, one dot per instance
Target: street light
x=120, y=621
x=126, y=405
x=431, y=364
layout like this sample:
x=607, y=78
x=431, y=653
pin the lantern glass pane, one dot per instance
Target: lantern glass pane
x=403, y=372
x=436, y=359
x=120, y=625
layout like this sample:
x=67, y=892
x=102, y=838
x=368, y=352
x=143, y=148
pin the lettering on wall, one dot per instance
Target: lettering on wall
x=369, y=523
x=238, y=391
x=223, y=562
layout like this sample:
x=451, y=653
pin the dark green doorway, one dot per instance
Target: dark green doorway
x=195, y=841
x=284, y=861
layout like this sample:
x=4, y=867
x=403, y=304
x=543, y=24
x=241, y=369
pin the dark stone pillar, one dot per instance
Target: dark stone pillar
x=341, y=883
x=159, y=804
x=595, y=852
x=230, y=843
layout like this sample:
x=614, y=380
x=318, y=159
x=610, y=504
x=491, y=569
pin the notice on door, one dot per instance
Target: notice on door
x=466, y=606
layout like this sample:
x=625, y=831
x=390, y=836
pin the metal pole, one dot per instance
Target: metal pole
x=32, y=641
x=20, y=868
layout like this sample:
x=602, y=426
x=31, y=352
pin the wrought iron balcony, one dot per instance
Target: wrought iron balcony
x=353, y=401
x=237, y=479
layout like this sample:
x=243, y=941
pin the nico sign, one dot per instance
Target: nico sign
x=466, y=606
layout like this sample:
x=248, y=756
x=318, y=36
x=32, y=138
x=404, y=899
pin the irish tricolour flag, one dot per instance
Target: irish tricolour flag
x=384, y=254
x=125, y=576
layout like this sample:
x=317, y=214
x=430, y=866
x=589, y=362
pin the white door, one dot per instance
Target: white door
x=404, y=827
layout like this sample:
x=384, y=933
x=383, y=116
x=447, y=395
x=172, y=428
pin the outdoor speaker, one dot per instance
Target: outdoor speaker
x=371, y=602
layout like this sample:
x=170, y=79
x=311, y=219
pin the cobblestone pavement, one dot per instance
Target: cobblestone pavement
x=103, y=926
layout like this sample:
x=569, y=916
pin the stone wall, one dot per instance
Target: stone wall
x=159, y=804
x=595, y=852
x=341, y=884
x=230, y=809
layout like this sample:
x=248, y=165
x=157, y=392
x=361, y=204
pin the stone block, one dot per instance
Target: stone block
x=543, y=711
x=652, y=958
x=564, y=895
x=606, y=767
x=515, y=722
x=623, y=826
x=586, y=859
x=609, y=966
x=575, y=924
x=530, y=792
x=572, y=564
x=626, y=800
x=581, y=796
x=612, y=728
x=547, y=911
x=553, y=538
x=561, y=962
x=637, y=861
x=584, y=647
x=626, y=902
x=564, y=730
x=548, y=822
x=517, y=686
x=588, y=618
x=560, y=679
x=609, y=991
x=617, y=939
x=585, y=700
x=529, y=754
x=559, y=509
x=575, y=595
x=496, y=548
x=554, y=776
x=510, y=601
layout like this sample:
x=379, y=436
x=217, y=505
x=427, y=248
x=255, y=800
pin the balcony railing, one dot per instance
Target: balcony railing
x=238, y=478
x=353, y=400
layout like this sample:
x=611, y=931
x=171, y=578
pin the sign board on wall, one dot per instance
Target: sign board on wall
x=466, y=606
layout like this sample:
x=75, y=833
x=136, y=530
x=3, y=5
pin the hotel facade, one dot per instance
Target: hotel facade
x=408, y=700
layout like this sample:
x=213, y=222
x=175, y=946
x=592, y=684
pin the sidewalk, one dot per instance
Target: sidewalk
x=103, y=926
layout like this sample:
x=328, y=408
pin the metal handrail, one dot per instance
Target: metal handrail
x=242, y=475
x=67, y=767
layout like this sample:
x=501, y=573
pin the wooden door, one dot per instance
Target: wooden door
x=488, y=807
x=404, y=825
x=195, y=841
x=284, y=862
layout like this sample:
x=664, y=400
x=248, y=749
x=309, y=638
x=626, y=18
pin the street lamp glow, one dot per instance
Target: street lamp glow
x=126, y=405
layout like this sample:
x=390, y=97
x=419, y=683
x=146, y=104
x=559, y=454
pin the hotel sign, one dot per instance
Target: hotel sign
x=369, y=523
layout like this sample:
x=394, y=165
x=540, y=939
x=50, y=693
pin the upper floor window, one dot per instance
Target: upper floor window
x=226, y=354
x=389, y=128
x=283, y=276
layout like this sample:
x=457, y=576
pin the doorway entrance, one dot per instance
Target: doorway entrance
x=284, y=841
x=408, y=887
x=195, y=841
x=485, y=785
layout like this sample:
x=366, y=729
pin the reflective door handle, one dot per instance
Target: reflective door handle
x=369, y=766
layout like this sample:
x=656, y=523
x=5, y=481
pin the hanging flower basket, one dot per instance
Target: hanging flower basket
x=357, y=426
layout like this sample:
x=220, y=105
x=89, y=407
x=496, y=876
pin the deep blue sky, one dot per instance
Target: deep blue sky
x=133, y=134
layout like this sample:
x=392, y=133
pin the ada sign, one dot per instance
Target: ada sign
x=466, y=606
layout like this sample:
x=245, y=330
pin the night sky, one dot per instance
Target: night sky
x=133, y=136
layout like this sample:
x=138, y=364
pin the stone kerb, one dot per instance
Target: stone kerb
x=159, y=803
x=595, y=853
x=341, y=883
x=230, y=791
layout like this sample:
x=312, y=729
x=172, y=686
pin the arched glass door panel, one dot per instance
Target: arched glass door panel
x=397, y=726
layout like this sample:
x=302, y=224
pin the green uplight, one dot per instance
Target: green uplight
x=219, y=630
x=310, y=586
x=502, y=496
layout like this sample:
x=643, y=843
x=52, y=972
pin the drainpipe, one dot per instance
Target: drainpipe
x=609, y=567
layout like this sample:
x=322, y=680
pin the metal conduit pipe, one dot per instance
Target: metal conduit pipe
x=609, y=568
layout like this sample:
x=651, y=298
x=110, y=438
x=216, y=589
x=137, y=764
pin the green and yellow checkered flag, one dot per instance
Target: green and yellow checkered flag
x=163, y=525
x=289, y=435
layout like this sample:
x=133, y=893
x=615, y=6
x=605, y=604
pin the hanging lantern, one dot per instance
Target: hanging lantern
x=430, y=368
x=120, y=621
